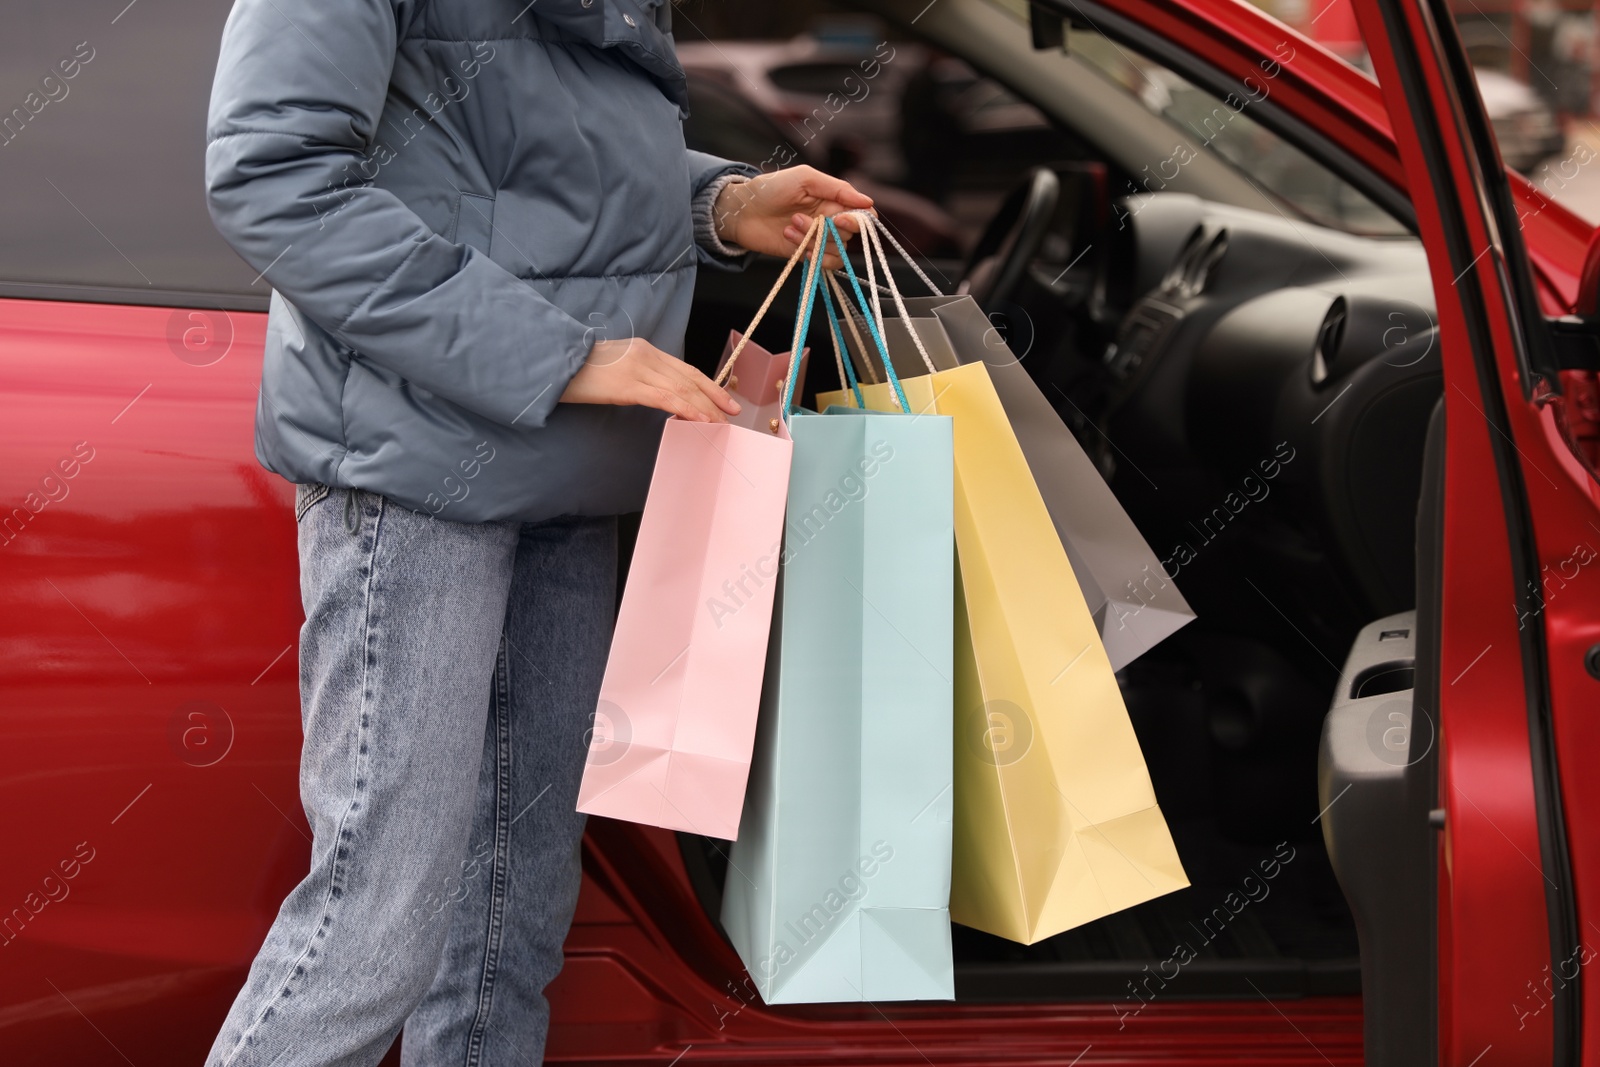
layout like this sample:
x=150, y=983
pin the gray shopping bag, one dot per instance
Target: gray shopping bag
x=1135, y=604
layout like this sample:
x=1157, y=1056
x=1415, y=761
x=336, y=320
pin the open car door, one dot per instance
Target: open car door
x=1488, y=968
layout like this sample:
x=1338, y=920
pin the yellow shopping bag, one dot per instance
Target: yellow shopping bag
x=1056, y=822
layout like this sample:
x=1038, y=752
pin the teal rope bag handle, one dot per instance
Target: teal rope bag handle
x=838, y=340
x=872, y=327
x=803, y=326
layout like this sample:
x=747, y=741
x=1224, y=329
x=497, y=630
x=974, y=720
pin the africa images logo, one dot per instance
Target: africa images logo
x=808, y=928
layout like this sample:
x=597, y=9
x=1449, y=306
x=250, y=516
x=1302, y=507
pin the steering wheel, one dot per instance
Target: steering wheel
x=1010, y=242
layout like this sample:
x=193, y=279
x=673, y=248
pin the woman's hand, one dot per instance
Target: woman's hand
x=770, y=213
x=634, y=371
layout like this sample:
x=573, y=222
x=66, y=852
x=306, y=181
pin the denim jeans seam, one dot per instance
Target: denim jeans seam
x=307, y=496
x=498, y=877
x=297, y=968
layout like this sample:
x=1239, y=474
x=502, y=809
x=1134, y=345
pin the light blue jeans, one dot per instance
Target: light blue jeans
x=448, y=676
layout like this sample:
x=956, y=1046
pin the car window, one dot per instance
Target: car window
x=1534, y=64
x=779, y=85
x=1225, y=128
x=102, y=146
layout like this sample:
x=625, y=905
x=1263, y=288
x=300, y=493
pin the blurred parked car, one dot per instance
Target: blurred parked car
x=726, y=123
x=1524, y=123
x=840, y=83
x=893, y=112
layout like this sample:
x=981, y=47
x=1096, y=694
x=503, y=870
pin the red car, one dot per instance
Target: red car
x=1338, y=364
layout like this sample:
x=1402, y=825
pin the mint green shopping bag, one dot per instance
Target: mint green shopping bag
x=839, y=884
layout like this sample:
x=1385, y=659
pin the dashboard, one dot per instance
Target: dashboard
x=1246, y=336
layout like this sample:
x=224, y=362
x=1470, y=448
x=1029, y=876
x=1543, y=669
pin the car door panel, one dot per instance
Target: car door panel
x=1508, y=904
x=149, y=676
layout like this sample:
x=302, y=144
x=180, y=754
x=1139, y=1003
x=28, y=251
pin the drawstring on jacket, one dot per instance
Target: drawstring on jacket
x=352, y=516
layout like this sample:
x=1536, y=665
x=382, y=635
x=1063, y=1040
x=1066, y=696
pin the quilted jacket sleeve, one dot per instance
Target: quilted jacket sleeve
x=299, y=90
x=707, y=175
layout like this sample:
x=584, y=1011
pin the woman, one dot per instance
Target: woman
x=481, y=229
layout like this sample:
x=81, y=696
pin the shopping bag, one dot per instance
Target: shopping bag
x=837, y=888
x=1055, y=820
x=676, y=718
x=1135, y=604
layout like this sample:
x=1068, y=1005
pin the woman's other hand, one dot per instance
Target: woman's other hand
x=634, y=371
x=770, y=213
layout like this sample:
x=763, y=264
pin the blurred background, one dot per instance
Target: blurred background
x=764, y=71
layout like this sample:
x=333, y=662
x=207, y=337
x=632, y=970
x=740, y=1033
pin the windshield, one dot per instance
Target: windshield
x=1226, y=130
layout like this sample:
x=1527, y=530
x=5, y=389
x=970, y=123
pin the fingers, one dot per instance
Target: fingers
x=826, y=187
x=677, y=402
x=718, y=395
x=795, y=235
x=847, y=224
x=673, y=386
x=810, y=194
x=677, y=397
x=796, y=230
x=633, y=371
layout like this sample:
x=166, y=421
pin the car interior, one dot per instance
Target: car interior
x=1239, y=331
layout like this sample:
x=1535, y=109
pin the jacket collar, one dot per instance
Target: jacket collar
x=639, y=29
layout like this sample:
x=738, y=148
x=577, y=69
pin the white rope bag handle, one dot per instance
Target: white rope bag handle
x=871, y=246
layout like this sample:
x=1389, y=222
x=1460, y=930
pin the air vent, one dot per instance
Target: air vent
x=1172, y=283
x=1203, y=264
x=1329, y=336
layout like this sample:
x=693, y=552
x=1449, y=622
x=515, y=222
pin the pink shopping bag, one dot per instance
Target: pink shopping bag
x=676, y=721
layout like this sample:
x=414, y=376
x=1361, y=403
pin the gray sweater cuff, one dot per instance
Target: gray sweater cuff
x=705, y=224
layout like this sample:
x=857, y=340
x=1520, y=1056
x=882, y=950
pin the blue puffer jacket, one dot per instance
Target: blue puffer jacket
x=453, y=201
